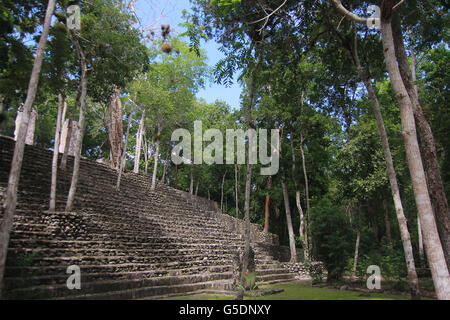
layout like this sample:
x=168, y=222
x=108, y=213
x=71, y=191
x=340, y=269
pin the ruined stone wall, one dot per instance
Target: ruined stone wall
x=232, y=224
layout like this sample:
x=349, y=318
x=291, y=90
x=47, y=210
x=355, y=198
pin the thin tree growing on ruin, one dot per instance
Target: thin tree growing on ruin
x=10, y=201
x=124, y=151
x=59, y=120
x=81, y=122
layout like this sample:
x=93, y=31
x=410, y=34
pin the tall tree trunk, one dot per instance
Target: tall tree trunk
x=196, y=186
x=266, y=207
x=29, y=137
x=421, y=250
x=427, y=144
x=191, y=184
x=145, y=147
x=246, y=253
x=236, y=193
x=221, y=193
x=155, y=165
x=404, y=233
x=432, y=242
x=147, y=154
x=10, y=202
x=63, y=118
x=59, y=119
x=114, y=129
x=305, y=175
x=289, y=220
x=124, y=151
x=68, y=140
x=302, y=228
x=302, y=235
x=81, y=124
x=140, y=133
x=166, y=163
x=355, y=260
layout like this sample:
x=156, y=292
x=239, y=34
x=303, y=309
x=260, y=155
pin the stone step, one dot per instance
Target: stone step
x=153, y=261
x=61, y=278
x=126, y=229
x=265, y=272
x=123, y=236
x=148, y=292
x=100, y=287
x=273, y=278
x=35, y=244
x=161, y=270
x=141, y=252
x=119, y=221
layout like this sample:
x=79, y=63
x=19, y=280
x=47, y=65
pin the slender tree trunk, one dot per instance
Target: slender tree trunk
x=289, y=220
x=166, y=164
x=140, y=133
x=196, y=186
x=145, y=146
x=147, y=154
x=59, y=119
x=10, y=202
x=297, y=198
x=305, y=175
x=432, y=242
x=81, y=125
x=421, y=250
x=221, y=194
x=245, y=257
x=236, y=189
x=427, y=146
x=266, y=207
x=29, y=137
x=124, y=151
x=191, y=184
x=68, y=142
x=155, y=166
x=114, y=129
x=302, y=229
x=63, y=118
x=355, y=260
x=404, y=233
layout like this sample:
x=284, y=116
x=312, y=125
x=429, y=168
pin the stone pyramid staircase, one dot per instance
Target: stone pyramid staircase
x=129, y=244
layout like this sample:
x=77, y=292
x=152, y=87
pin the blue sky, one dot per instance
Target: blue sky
x=154, y=13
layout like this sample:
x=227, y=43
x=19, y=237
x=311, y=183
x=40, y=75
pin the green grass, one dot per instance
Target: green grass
x=201, y=296
x=300, y=291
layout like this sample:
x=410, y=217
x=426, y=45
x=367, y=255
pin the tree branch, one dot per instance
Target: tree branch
x=348, y=14
x=397, y=5
x=266, y=18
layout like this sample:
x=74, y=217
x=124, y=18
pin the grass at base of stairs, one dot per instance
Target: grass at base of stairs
x=300, y=291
